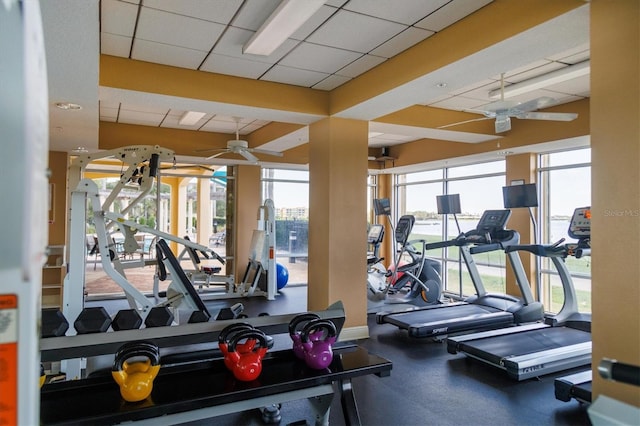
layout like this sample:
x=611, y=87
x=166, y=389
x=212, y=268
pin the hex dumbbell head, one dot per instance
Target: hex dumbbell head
x=126, y=319
x=198, y=316
x=159, y=316
x=54, y=324
x=92, y=320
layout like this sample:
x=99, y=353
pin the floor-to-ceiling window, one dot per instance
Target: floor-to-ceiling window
x=289, y=191
x=565, y=182
x=480, y=188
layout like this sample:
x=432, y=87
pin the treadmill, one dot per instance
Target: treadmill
x=562, y=342
x=483, y=311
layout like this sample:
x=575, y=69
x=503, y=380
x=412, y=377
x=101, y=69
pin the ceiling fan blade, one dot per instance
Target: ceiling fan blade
x=224, y=151
x=533, y=104
x=210, y=150
x=495, y=107
x=266, y=151
x=249, y=156
x=463, y=122
x=552, y=116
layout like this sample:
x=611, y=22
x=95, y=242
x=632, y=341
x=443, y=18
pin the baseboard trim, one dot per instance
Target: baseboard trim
x=354, y=333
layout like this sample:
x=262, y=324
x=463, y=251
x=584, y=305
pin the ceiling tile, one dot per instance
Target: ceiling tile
x=108, y=114
x=315, y=57
x=220, y=11
x=144, y=108
x=578, y=86
x=458, y=103
x=177, y=30
x=353, y=31
x=219, y=126
x=166, y=54
x=295, y=76
x=115, y=45
x=118, y=17
x=331, y=82
x=410, y=12
x=253, y=13
x=138, y=117
x=450, y=13
x=239, y=67
x=109, y=104
x=533, y=72
x=314, y=22
x=362, y=64
x=580, y=50
x=401, y=42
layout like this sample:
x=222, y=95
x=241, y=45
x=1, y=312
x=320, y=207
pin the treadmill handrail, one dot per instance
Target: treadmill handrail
x=544, y=250
x=484, y=248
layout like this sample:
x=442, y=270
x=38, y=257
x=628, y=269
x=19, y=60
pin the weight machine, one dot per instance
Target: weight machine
x=142, y=162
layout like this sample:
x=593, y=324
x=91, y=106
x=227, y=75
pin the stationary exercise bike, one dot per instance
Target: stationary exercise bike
x=411, y=279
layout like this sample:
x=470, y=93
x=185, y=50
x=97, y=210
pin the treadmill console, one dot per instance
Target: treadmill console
x=403, y=228
x=493, y=220
x=580, y=226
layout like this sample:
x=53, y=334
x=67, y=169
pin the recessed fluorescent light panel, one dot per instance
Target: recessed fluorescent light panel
x=284, y=21
x=190, y=118
x=554, y=77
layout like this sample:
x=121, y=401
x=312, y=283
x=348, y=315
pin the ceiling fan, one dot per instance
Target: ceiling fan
x=503, y=111
x=240, y=147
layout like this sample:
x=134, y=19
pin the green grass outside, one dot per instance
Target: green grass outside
x=496, y=284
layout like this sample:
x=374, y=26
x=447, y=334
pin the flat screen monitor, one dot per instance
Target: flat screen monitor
x=382, y=206
x=375, y=235
x=448, y=204
x=516, y=196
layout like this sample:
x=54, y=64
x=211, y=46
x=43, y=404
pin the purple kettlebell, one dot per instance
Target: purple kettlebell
x=296, y=322
x=318, y=353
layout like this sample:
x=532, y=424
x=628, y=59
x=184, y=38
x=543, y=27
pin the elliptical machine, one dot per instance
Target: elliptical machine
x=412, y=278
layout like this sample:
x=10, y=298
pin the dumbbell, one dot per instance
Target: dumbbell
x=53, y=323
x=92, y=320
x=159, y=316
x=231, y=312
x=135, y=366
x=318, y=351
x=295, y=325
x=126, y=319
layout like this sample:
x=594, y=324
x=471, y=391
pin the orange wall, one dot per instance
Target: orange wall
x=615, y=160
x=58, y=166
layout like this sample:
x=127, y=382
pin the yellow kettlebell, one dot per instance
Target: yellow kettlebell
x=43, y=377
x=135, y=367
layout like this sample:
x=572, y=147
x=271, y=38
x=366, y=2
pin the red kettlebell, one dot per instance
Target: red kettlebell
x=294, y=333
x=225, y=336
x=133, y=375
x=247, y=366
x=318, y=353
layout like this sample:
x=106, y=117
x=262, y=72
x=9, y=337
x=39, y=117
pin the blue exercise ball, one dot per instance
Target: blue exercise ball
x=282, y=275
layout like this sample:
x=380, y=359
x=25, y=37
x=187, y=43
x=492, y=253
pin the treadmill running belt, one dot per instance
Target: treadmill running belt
x=496, y=348
x=446, y=313
x=434, y=322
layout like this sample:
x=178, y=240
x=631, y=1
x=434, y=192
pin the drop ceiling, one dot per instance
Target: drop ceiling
x=339, y=43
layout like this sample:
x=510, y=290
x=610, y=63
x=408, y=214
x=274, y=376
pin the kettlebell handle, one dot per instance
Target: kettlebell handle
x=222, y=337
x=318, y=324
x=247, y=334
x=136, y=349
x=297, y=320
